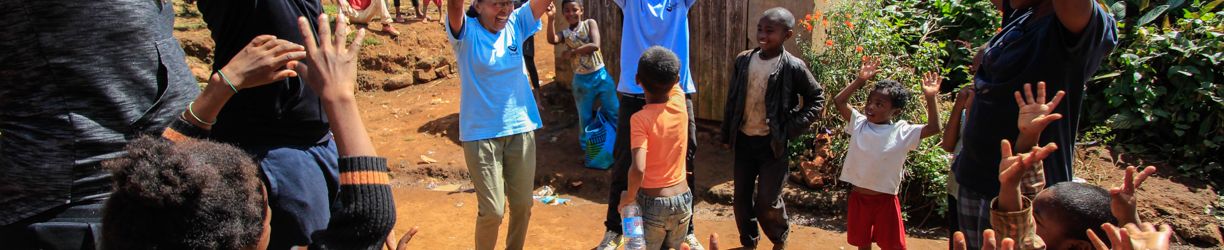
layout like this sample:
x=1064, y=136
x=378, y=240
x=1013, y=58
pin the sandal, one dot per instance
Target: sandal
x=390, y=29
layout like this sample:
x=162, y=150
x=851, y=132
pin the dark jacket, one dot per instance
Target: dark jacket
x=790, y=85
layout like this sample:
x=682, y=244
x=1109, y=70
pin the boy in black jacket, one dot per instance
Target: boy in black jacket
x=761, y=115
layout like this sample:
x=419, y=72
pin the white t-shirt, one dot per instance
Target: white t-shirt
x=877, y=152
x=649, y=23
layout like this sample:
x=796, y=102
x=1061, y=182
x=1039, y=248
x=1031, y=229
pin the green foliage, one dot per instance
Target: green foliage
x=900, y=35
x=968, y=23
x=1159, y=91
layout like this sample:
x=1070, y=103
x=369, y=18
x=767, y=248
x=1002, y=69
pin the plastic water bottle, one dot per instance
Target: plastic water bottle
x=631, y=224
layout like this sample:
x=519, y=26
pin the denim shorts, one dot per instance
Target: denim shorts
x=665, y=220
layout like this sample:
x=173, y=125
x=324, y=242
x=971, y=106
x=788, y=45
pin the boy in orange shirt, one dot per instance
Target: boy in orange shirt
x=659, y=141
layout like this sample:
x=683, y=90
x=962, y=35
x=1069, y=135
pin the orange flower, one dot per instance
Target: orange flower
x=824, y=22
x=858, y=49
x=1000, y=29
x=829, y=43
x=818, y=15
x=850, y=24
x=847, y=15
x=808, y=26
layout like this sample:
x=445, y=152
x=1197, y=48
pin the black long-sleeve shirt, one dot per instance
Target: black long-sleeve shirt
x=282, y=113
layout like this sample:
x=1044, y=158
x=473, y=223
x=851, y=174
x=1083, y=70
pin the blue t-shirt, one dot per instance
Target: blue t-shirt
x=649, y=23
x=1030, y=49
x=496, y=98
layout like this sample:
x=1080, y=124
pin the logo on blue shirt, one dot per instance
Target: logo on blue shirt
x=670, y=6
x=513, y=49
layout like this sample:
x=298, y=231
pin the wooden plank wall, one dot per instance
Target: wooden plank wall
x=718, y=30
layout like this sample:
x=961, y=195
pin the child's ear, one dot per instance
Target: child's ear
x=789, y=33
x=637, y=79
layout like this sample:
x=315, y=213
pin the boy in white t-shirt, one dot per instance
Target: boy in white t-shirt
x=874, y=160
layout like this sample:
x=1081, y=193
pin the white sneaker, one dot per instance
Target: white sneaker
x=611, y=241
x=693, y=243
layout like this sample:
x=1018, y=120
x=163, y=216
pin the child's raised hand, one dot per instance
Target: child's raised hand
x=332, y=69
x=1035, y=112
x=869, y=68
x=1133, y=237
x=1122, y=198
x=1013, y=166
x=930, y=83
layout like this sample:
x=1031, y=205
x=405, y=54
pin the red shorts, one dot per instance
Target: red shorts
x=875, y=218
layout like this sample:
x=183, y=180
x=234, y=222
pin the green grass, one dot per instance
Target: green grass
x=370, y=41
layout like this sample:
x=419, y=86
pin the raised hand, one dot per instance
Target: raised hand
x=1122, y=198
x=930, y=83
x=264, y=60
x=1013, y=166
x=1034, y=110
x=332, y=71
x=869, y=68
x=1133, y=237
x=989, y=242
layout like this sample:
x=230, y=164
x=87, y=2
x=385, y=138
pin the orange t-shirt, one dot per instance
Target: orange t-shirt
x=662, y=130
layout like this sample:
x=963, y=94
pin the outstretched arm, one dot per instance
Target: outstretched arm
x=930, y=90
x=454, y=13
x=951, y=132
x=842, y=100
x=331, y=72
x=365, y=212
x=553, y=37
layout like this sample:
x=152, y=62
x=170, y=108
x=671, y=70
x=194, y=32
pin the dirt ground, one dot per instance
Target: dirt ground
x=414, y=123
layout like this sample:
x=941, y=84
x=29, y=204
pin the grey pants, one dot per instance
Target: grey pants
x=665, y=220
x=503, y=171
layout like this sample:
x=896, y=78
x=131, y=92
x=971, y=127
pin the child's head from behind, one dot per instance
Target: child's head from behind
x=1065, y=211
x=886, y=101
x=776, y=25
x=658, y=71
x=187, y=195
x=572, y=10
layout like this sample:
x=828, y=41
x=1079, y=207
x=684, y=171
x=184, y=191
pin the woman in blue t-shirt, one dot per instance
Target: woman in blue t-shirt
x=497, y=110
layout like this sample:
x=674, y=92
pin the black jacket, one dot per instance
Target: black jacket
x=793, y=100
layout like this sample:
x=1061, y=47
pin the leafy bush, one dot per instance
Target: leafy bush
x=1158, y=91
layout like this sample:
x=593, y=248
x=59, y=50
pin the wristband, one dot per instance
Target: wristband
x=227, y=81
x=197, y=118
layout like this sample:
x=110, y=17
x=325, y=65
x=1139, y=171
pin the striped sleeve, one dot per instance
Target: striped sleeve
x=366, y=211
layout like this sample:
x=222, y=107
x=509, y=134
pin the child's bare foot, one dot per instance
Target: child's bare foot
x=399, y=18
